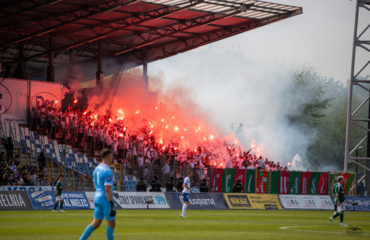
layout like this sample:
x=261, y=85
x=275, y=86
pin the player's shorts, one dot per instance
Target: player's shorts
x=103, y=210
x=185, y=197
x=342, y=207
x=59, y=197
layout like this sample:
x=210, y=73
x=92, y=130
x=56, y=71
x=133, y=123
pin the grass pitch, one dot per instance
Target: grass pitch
x=167, y=224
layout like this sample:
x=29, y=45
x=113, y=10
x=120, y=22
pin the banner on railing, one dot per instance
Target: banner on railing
x=13, y=100
x=250, y=181
x=15, y=200
x=228, y=179
x=349, y=180
x=306, y=202
x=217, y=180
x=198, y=201
x=252, y=201
x=136, y=200
x=46, y=200
x=263, y=182
x=294, y=182
x=363, y=203
x=28, y=188
x=90, y=196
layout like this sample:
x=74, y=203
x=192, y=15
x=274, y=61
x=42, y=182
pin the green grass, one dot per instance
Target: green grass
x=167, y=224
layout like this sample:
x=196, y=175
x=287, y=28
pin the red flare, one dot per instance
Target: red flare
x=85, y=113
x=121, y=135
x=56, y=101
x=176, y=128
x=162, y=120
x=214, y=164
x=75, y=101
x=110, y=119
x=150, y=132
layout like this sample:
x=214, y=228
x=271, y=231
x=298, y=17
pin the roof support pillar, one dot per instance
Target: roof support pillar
x=145, y=69
x=100, y=73
x=21, y=71
x=51, y=68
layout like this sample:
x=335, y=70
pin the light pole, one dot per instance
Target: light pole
x=359, y=148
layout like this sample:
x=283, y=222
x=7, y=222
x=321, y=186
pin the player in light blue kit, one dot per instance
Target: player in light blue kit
x=104, y=206
x=185, y=193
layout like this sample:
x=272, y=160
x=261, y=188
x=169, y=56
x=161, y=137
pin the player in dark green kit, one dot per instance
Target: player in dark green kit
x=339, y=192
x=58, y=194
x=335, y=198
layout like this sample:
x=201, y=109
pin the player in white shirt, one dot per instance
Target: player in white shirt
x=185, y=193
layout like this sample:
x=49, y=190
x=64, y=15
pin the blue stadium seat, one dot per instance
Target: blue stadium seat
x=130, y=178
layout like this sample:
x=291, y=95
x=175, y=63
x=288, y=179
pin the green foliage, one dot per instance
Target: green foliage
x=309, y=94
x=323, y=113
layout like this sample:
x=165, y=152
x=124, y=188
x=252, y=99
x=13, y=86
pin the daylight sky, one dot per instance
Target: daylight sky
x=322, y=36
x=254, y=92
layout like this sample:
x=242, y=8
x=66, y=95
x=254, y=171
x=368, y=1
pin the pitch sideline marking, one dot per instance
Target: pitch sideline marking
x=288, y=228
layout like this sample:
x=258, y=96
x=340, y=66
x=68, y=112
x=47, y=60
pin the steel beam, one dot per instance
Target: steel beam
x=21, y=71
x=100, y=73
x=29, y=5
x=53, y=22
x=51, y=68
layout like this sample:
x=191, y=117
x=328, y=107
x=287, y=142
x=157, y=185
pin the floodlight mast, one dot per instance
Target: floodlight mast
x=355, y=81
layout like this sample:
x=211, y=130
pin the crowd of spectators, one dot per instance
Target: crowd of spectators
x=13, y=173
x=137, y=147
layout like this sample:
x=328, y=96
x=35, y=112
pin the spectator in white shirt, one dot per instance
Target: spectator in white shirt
x=260, y=162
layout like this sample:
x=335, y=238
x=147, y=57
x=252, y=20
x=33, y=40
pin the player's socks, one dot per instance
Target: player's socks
x=184, y=207
x=55, y=205
x=88, y=230
x=61, y=205
x=341, y=217
x=110, y=235
x=336, y=215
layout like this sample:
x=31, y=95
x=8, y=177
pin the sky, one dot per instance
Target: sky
x=252, y=90
x=322, y=36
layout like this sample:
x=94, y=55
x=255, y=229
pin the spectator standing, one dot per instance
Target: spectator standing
x=41, y=159
x=166, y=171
x=9, y=147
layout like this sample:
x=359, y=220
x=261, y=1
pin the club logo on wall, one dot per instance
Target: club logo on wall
x=45, y=98
x=5, y=99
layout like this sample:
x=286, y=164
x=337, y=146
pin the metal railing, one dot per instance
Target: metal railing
x=81, y=179
x=60, y=168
